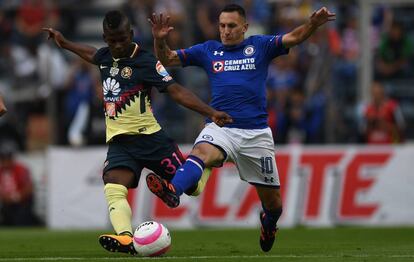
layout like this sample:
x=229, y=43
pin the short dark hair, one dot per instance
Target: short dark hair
x=114, y=20
x=234, y=8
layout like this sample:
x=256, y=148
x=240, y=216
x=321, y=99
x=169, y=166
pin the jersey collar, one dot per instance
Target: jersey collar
x=134, y=52
x=136, y=48
x=232, y=47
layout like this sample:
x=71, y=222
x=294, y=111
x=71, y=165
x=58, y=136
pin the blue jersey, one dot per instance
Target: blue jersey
x=237, y=76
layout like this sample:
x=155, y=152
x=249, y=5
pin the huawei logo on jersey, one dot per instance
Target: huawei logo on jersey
x=218, y=66
x=111, y=85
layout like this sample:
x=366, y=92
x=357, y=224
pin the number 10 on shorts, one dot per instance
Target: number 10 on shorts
x=267, y=165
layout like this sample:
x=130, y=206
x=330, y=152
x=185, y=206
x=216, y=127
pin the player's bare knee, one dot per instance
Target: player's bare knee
x=108, y=178
x=121, y=177
x=209, y=154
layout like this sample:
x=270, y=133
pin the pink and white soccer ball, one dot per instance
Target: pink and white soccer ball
x=151, y=239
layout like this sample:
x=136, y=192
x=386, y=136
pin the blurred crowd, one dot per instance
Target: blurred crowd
x=17, y=193
x=55, y=98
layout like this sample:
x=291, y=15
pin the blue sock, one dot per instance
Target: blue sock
x=271, y=218
x=188, y=174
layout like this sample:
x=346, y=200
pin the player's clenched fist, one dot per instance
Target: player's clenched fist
x=321, y=16
x=221, y=118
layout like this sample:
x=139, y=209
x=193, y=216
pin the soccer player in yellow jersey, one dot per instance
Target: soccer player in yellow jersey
x=135, y=139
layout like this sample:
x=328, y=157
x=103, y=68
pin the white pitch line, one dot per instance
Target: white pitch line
x=201, y=257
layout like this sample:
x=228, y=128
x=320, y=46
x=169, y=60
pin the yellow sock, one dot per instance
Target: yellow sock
x=119, y=210
x=202, y=182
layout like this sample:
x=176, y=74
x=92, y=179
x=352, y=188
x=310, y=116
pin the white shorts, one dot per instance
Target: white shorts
x=252, y=150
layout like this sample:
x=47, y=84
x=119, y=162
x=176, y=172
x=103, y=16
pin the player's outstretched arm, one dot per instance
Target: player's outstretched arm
x=188, y=99
x=82, y=50
x=3, y=108
x=160, y=29
x=301, y=33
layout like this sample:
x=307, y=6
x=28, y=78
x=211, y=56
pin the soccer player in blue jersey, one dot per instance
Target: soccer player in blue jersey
x=135, y=139
x=237, y=70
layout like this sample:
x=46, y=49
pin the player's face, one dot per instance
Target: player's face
x=119, y=41
x=232, y=27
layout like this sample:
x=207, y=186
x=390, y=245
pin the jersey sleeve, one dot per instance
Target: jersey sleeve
x=97, y=59
x=191, y=55
x=155, y=74
x=272, y=46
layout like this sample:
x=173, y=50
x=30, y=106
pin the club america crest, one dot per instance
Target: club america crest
x=126, y=72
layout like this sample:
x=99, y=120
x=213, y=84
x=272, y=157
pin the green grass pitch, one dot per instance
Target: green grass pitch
x=213, y=245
